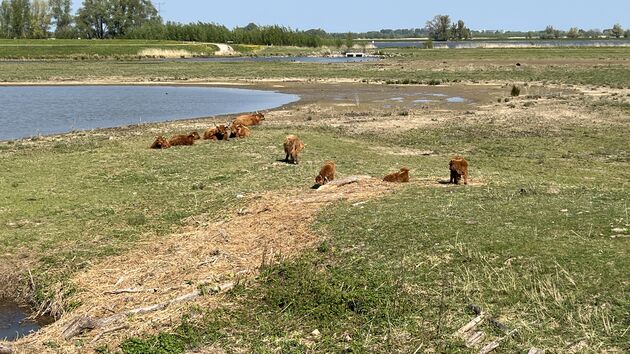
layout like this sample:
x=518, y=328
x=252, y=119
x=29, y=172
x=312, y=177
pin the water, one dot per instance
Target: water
x=14, y=323
x=40, y=110
x=505, y=43
x=455, y=99
x=319, y=60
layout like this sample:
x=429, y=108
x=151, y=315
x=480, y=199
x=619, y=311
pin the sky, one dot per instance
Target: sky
x=362, y=16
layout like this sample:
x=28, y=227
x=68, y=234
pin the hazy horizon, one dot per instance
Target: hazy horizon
x=355, y=16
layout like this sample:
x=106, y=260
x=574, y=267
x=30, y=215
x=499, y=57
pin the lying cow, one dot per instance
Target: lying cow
x=160, y=143
x=327, y=173
x=292, y=148
x=459, y=168
x=248, y=120
x=240, y=131
x=219, y=132
x=398, y=177
x=184, y=139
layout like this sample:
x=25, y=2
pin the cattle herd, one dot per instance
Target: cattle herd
x=239, y=128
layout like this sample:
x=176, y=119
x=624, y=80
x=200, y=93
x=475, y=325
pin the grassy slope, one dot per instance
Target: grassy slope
x=533, y=247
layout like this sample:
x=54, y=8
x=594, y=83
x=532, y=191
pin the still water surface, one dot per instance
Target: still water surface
x=41, y=110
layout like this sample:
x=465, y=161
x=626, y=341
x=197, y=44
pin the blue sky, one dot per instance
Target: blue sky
x=360, y=16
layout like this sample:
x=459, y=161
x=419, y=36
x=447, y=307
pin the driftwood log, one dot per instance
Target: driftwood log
x=85, y=324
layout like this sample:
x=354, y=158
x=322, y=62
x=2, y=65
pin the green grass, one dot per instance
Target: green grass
x=605, y=68
x=532, y=247
x=93, y=49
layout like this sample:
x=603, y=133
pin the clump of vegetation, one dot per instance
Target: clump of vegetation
x=516, y=91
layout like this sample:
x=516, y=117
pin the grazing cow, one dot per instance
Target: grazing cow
x=195, y=135
x=459, y=168
x=240, y=131
x=183, y=139
x=160, y=143
x=292, y=147
x=217, y=133
x=248, y=120
x=398, y=177
x=327, y=173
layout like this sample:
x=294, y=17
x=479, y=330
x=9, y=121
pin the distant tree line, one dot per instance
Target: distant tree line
x=139, y=19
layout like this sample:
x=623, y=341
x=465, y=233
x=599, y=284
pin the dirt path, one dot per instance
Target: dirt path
x=224, y=49
x=208, y=251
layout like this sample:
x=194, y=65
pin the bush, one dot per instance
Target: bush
x=516, y=91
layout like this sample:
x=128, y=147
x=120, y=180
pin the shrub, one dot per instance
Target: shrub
x=515, y=91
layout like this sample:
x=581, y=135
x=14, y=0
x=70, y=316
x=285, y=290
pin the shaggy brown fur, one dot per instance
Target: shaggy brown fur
x=398, y=177
x=248, y=120
x=160, y=143
x=183, y=139
x=217, y=133
x=459, y=168
x=292, y=147
x=327, y=173
x=195, y=135
x=240, y=131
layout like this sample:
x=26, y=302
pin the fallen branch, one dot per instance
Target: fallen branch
x=470, y=325
x=131, y=291
x=343, y=182
x=83, y=324
x=495, y=344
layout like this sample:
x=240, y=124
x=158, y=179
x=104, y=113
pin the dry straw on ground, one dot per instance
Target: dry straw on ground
x=155, y=280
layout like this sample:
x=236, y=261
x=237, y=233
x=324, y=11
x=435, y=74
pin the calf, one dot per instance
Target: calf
x=160, y=143
x=327, y=173
x=183, y=139
x=398, y=177
x=292, y=147
x=240, y=131
x=248, y=120
x=459, y=168
x=217, y=133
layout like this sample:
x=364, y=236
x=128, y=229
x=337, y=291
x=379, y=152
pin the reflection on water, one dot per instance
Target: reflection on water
x=34, y=110
x=14, y=322
x=320, y=60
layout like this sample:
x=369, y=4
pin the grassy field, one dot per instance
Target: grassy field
x=588, y=66
x=532, y=241
x=11, y=49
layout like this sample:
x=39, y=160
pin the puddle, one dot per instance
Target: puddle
x=455, y=100
x=423, y=101
x=14, y=322
x=399, y=99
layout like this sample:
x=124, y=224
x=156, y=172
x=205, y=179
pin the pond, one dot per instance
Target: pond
x=29, y=111
x=14, y=322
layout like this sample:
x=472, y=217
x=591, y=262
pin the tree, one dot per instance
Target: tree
x=627, y=33
x=127, y=14
x=349, y=40
x=460, y=31
x=551, y=33
x=574, y=32
x=5, y=19
x=439, y=27
x=92, y=18
x=20, y=18
x=61, y=15
x=40, y=19
x=617, y=31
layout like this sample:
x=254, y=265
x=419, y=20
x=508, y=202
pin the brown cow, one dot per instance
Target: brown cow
x=459, y=168
x=292, y=147
x=327, y=173
x=240, y=131
x=398, y=177
x=248, y=120
x=160, y=143
x=195, y=135
x=217, y=133
x=183, y=139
